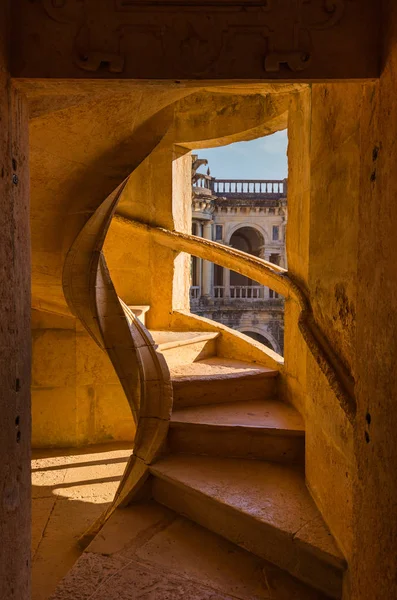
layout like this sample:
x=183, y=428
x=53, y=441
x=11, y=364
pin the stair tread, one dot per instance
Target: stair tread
x=172, y=339
x=274, y=495
x=220, y=368
x=269, y=415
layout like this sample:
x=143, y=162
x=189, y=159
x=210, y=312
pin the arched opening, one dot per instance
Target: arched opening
x=248, y=214
x=250, y=240
x=260, y=338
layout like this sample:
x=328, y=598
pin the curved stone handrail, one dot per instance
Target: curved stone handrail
x=339, y=379
x=142, y=371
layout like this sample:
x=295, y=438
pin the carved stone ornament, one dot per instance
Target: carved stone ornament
x=193, y=37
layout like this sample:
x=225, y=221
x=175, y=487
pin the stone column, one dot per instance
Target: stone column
x=226, y=282
x=207, y=266
x=266, y=256
x=199, y=233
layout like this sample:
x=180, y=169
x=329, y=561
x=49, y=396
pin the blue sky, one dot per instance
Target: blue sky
x=263, y=158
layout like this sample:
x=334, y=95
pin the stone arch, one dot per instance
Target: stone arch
x=247, y=224
x=267, y=338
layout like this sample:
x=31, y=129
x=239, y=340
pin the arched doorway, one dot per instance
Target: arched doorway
x=250, y=240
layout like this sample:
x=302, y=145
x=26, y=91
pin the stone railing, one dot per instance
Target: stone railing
x=262, y=188
x=247, y=292
x=142, y=371
x=219, y=291
x=202, y=181
x=195, y=292
x=276, y=278
x=235, y=294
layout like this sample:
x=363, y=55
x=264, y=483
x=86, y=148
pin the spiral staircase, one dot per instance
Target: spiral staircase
x=234, y=464
x=231, y=460
x=214, y=442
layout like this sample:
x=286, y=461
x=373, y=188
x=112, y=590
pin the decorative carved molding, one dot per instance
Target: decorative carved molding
x=174, y=33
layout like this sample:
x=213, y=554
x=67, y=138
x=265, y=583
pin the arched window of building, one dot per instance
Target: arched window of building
x=248, y=240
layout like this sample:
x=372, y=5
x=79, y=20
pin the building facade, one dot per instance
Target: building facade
x=249, y=215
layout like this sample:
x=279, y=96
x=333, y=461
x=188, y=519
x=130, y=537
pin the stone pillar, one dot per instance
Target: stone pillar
x=226, y=282
x=266, y=256
x=207, y=266
x=15, y=511
x=200, y=260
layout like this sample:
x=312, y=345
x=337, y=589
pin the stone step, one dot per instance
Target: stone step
x=185, y=347
x=148, y=552
x=261, y=506
x=217, y=380
x=256, y=429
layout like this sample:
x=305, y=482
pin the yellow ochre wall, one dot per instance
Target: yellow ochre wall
x=322, y=246
x=80, y=152
x=76, y=396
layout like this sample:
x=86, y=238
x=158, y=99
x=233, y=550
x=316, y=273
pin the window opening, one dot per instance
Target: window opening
x=218, y=233
x=240, y=199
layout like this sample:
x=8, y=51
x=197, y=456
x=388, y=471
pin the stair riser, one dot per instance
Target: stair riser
x=215, y=391
x=237, y=442
x=189, y=353
x=263, y=540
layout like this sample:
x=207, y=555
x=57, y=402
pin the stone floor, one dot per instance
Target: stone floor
x=145, y=552
x=70, y=489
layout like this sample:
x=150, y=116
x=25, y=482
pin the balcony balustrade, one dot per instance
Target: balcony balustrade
x=219, y=291
x=272, y=188
x=240, y=188
x=250, y=293
x=246, y=292
x=195, y=292
x=202, y=182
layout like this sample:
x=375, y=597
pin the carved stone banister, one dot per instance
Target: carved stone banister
x=142, y=371
x=257, y=269
x=277, y=278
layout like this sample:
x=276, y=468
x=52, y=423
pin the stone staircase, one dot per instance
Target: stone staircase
x=234, y=465
x=235, y=461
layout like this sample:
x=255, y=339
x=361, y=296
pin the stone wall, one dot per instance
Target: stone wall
x=341, y=247
x=332, y=284
x=78, y=155
x=14, y=334
x=323, y=243
x=373, y=566
x=77, y=398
